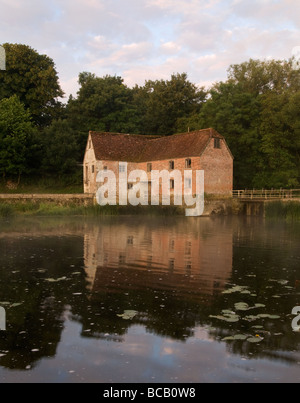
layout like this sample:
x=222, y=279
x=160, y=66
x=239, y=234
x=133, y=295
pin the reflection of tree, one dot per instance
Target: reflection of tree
x=264, y=263
x=34, y=327
x=172, y=272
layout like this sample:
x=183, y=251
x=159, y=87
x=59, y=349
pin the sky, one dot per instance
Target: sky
x=143, y=40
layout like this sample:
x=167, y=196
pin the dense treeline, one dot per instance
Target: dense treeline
x=257, y=110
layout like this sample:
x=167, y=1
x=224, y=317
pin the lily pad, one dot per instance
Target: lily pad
x=230, y=318
x=240, y=337
x=255, y=339
x=237, y=337
x=241, y=306
x=268, y=316
x=128, y=315
x=238, y=288
x=260, y=306
x=230, y=338
x=53, y=280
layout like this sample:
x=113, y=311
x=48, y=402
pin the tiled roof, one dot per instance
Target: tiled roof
x=138, y=148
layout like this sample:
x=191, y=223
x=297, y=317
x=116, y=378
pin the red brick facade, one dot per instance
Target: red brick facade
x=205, y=150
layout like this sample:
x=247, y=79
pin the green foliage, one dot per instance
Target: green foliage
x=165, y=102
x=60, y=151
x=262, y=77
x=102, y=104
x=280, y=144
x=33, y=78
x=16, y=131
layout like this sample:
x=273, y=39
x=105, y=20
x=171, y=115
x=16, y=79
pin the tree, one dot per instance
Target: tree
x=16, y=130
x=163, y=103
x=33, y=78
x=60, y=151
x=261, y=77
x=280, y=123
x=102, y=104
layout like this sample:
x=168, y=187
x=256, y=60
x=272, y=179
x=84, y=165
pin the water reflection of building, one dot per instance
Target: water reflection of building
x=187, y=255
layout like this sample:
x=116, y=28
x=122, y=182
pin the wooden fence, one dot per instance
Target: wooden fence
x=266, y=194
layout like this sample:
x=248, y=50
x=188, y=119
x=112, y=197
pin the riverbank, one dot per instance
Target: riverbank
x=84, y=205
x=27, y=208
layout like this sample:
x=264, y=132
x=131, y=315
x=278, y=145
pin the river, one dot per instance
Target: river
x=149, y=299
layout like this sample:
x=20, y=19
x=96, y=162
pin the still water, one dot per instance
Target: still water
x=137, y=299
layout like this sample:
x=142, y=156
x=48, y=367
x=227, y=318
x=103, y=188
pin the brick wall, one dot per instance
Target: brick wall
x=217, y=164
x=218, y=167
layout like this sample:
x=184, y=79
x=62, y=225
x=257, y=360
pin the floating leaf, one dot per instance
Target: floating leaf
x=260, y=306
x=267, y=316
x=128, y=315
x=228, y=338
x=237, y=288
x=53, y=280
x=251, y=318
x=227, y=312
x=282, y=282
x=237, y=337
x=255, y=339
x=240, y=337
x=241, y=306
x=230, y=318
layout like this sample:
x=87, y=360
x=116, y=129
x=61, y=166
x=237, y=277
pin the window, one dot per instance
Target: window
x=149, y=167
x=172, y=184
x=217, y=143
x=130, y=186
x=171, y=165
x=93, y=169
x=188, y=163
x=86, y=174
x=188, y=183
x=122, y=168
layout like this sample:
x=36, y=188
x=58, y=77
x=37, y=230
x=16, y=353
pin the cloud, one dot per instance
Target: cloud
x=151, y=39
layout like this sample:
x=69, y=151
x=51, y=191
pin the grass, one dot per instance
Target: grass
x=289, y=211
x=45, y=209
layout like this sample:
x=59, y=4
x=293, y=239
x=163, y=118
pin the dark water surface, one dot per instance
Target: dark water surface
x=189, y=282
